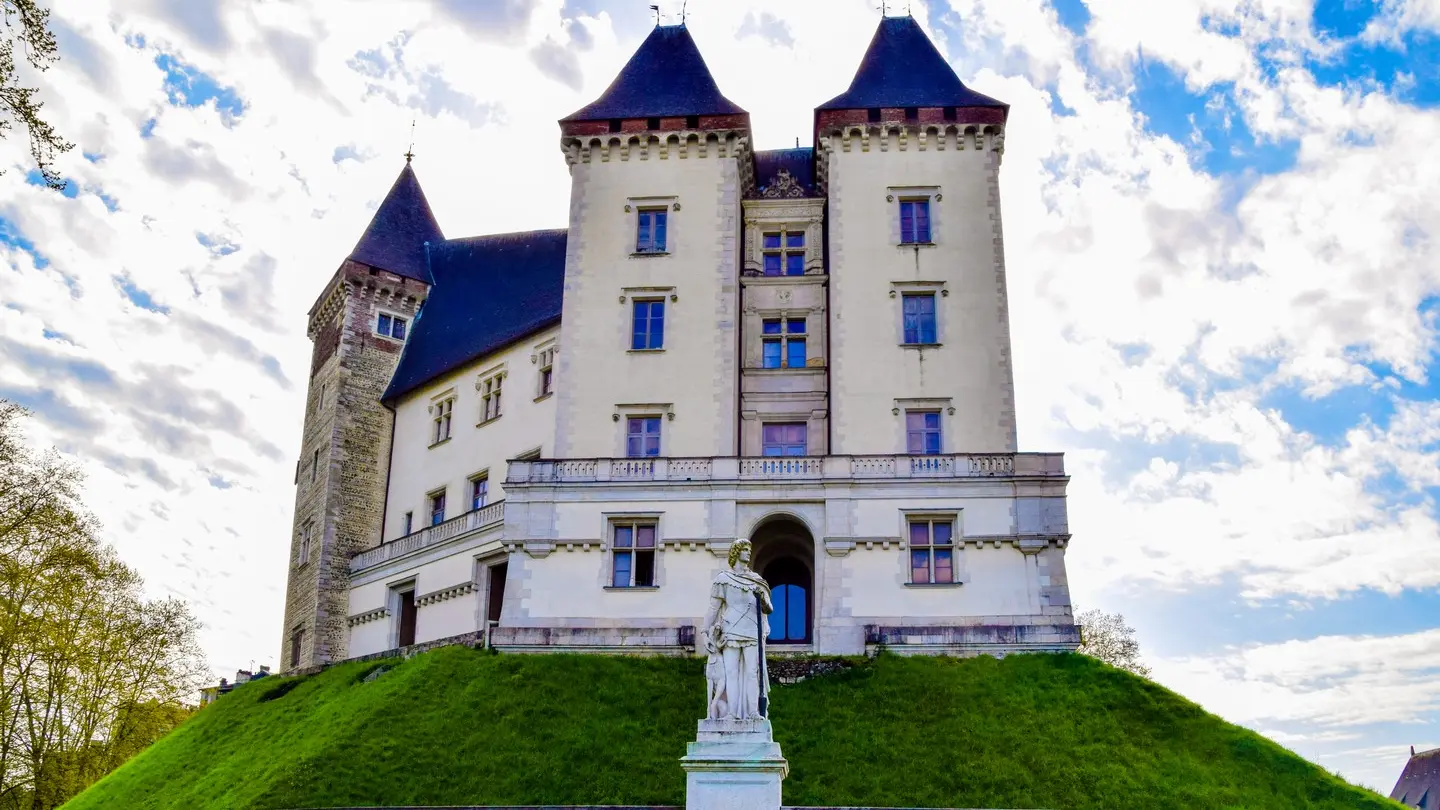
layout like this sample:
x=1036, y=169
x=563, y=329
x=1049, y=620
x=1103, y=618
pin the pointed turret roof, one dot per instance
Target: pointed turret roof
x=902, y=68
x=667, y=76
x=395, y=240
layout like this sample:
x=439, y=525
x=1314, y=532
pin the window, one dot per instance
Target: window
x=872, y=115
x=652, y=123
x=320, y=400
x=650, y=233
x=490, y=389
x=922, y=432
x=692, y=121
x=632, y=558
x=314, y=465
x=616, y=123
x=784, y=253
x=914, y=221
x=391, y=326
x=442, y=421
x=782, y=344
x=642, y=437
x=409, y=522
x=912, y=112
x=295, y=639
x=783, y=439
x=304, y=555
x=479, y=491
x=932, y=552
x=546, y=383
x=919, y=317
x=437, y=508
x=649, y=326
x=949, y=113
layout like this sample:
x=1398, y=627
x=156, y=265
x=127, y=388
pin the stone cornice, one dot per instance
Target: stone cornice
x=445, y=594
x=662, y=146
x=368, y=616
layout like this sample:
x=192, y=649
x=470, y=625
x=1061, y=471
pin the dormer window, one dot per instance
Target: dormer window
x=391, y=326
x=650, y=231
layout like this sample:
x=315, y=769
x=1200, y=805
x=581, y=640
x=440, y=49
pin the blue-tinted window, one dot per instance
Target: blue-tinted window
x=914, y=221
x=633, y=556
x=650, y=232
x=649, y=325
x=932, y=552
x=770, y=353
x=795, y=352
x=437, y=509
x=919, y=318
x=783, y=439
x=922, y=432
x=643, y=437
x=784, y=253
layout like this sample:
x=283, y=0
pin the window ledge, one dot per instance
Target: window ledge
x=543, y=397
x=916, y=244
x=933, y=584
x=484, y=422
x=921, y=345
x=434, y=445
x=645, y=254
x=644, y=351
x=632, y=587
x=784, y=370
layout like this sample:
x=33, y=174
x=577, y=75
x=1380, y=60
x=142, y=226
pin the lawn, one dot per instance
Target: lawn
x=458, y=726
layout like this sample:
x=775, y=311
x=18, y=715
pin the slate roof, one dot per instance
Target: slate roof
x=1420, y=781
x=902, y=68
x=800, y=163
x=489, y=292
x=395, y=239
x=667, y=76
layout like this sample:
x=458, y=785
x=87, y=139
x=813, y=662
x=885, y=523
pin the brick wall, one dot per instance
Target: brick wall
x=340, y=493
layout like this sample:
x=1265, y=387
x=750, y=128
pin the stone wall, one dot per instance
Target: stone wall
x=344, y=458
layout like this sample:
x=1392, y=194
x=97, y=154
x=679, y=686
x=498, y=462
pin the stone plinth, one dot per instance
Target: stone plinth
x=733, y=765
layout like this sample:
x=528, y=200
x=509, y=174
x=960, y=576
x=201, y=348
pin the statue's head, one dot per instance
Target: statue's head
x=739, y=550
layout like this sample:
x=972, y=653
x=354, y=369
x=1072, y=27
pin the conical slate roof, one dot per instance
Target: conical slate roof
x=902, y=68
x=395, y=240
x=667, y=76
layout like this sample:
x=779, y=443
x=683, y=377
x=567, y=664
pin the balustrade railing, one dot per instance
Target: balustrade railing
x=485, y=516
x=767, y=468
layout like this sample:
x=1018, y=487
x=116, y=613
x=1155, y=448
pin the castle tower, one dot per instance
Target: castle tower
x=657, y=165
x=909, y=147
x=358, y=327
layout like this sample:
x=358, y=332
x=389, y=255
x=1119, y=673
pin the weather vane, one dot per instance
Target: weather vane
x=656, y=9
x=410, y=152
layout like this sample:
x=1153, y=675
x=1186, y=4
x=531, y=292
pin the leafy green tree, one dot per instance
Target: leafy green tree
x=1107, y=637
x=27, y=30
x=90, y=671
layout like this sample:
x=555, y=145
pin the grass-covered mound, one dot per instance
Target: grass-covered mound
x=457, y=726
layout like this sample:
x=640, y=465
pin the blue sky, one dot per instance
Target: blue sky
x=1221, y=246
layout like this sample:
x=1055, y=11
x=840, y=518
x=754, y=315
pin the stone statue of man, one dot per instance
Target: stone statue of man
x=731, y=634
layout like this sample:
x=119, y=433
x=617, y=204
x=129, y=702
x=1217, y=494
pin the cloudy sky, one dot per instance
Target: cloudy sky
x=1222, y=236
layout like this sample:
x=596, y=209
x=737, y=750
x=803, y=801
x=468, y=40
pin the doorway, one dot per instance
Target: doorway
x=785, y=556
x=495, y=597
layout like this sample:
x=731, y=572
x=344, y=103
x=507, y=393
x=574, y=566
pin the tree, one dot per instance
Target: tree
x=90, y=670
x=27, y=24
x=1107, y=637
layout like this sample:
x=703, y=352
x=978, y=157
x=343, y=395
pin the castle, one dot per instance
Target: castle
x=548, y=440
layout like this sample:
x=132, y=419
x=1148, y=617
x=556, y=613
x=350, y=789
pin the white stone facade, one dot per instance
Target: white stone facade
x=900, y=515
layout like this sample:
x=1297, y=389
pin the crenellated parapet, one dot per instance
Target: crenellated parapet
x=682, y=145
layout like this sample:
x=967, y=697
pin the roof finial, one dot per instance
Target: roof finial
x=656, y=9
x=683, y=4
x=410, y=152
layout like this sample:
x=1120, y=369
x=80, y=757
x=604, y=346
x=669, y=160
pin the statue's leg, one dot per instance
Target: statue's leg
x=751, y=680
x=734, y=688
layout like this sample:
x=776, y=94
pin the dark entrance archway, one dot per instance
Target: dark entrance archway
x=785, y=556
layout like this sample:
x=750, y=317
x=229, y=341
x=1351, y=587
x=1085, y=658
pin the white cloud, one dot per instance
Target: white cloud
x=1400, y=17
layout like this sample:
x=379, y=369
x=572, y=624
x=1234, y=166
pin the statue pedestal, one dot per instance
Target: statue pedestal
x=733, y=765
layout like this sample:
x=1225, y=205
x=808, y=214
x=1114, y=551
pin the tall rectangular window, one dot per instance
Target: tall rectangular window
x=437, y=508
x=490, y=390
x=314, y=465
x=441, y=421
x=391, y=326
x=914, y=221
x=784, y=253
x=782, y=343
x=783, y=439
x=932, y=552
x=648, y=327
x=304, y=554
x=479, y=491
x=919, y=317
x=922, y=432
x=642, y=436
x=650, y=231
x=295, y=641
x=409, y=523
x=546, y=382
x=632, y=556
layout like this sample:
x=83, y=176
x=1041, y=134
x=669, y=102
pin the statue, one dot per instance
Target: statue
x=733, y=634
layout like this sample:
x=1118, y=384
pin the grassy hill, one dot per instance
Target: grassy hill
x=457, y=726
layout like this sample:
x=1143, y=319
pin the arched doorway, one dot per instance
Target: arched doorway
x=785, y=556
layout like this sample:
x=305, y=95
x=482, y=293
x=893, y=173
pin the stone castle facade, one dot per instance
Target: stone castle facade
x=548, y=440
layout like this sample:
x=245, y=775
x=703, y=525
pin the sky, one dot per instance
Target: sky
x=1221, y=237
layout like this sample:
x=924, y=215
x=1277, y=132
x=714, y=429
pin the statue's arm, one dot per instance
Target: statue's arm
x=713, y=614
x=765, y=604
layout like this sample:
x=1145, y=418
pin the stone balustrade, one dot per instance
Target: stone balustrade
x=474, y=520
x=772, y=468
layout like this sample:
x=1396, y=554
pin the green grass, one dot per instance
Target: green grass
x=457, y=726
